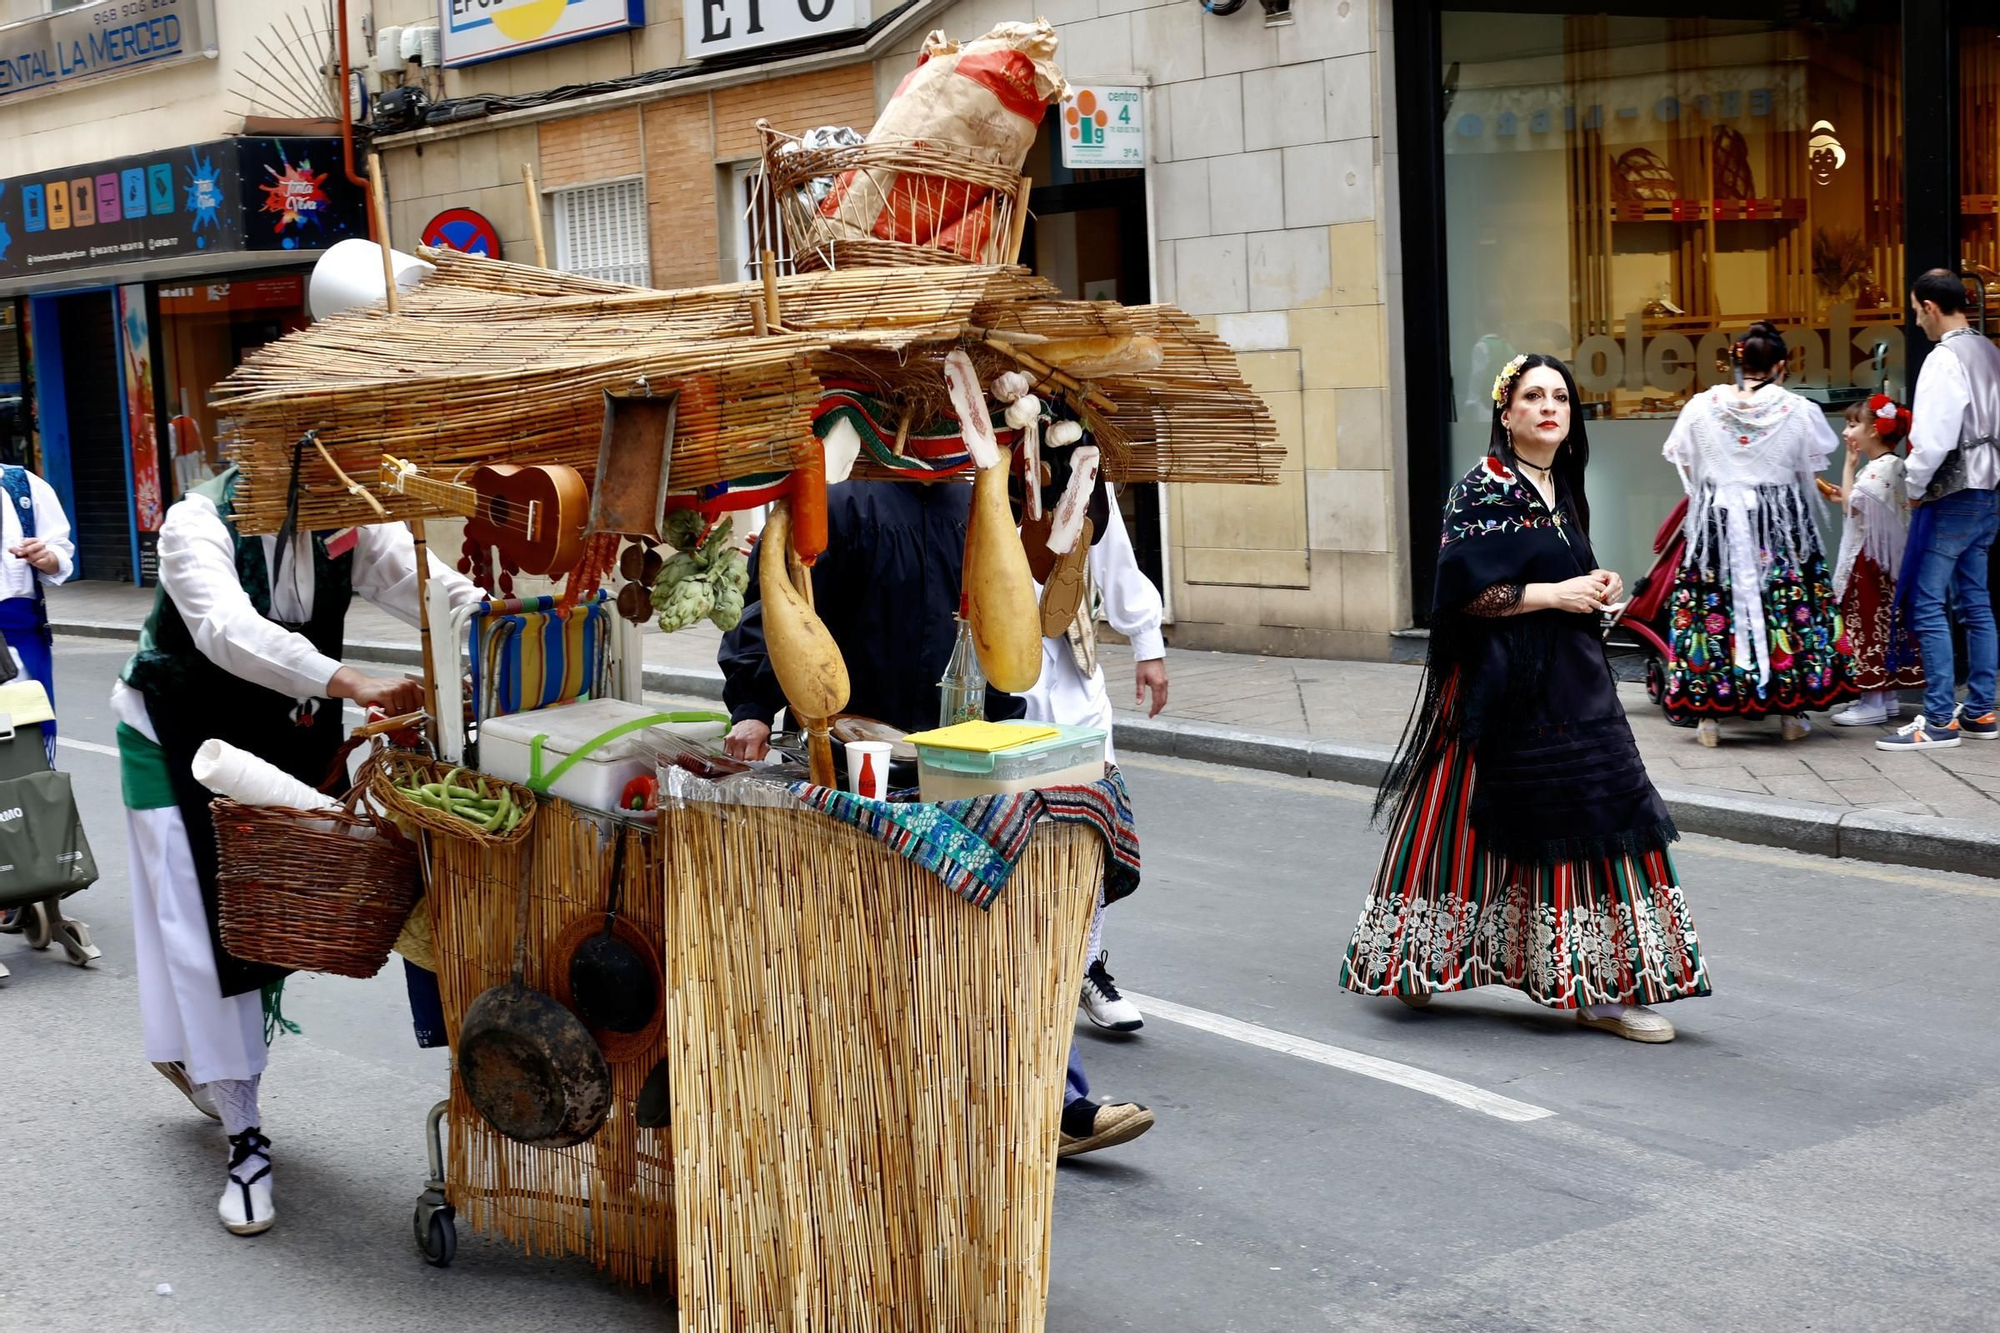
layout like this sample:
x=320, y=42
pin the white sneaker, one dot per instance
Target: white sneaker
x=246, y=1199
x=1102, y=1002
x=1866, y=714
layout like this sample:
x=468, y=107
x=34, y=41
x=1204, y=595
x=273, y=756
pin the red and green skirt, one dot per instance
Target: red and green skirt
x=1447, y=914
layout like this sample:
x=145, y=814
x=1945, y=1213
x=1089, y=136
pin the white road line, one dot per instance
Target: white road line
x=1354, y=1062
x=88, y=747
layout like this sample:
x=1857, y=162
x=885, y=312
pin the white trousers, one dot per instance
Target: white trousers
x=182, y=1009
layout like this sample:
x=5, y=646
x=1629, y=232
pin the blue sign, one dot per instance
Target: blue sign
x=111, y=37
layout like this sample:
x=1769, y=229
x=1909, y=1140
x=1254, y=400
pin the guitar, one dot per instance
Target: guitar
x=535, y=514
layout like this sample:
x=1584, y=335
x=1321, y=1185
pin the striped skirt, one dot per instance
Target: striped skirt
x=1448, y=914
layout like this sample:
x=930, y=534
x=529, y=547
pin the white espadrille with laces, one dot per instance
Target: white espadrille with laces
x=1633, y=1022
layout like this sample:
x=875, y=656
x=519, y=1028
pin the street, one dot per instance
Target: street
x=1815, y=1151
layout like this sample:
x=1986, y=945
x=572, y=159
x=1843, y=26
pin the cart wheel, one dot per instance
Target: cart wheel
x=440, y=1242
x=1656, y=680
x=35, y=926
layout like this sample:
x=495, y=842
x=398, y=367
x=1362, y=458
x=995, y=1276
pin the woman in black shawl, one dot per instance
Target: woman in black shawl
x=1527, y=847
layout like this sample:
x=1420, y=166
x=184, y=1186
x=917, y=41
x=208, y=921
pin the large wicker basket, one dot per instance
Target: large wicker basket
x=314, y=891
x=892, y=203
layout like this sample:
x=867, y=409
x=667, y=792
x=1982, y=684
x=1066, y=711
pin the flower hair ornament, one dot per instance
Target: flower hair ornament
x=1892, y=419
x=1503, y=383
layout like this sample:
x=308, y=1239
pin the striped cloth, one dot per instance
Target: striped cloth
x=973, y=846
x=529, y=653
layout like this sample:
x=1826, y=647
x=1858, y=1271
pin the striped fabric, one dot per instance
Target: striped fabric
x=1447, y=914
x=973, y=846
x=528, y=653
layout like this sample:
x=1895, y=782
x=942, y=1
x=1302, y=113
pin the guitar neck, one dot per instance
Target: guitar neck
x=446, y=495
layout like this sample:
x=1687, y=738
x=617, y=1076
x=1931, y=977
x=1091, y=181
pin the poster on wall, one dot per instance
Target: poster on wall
x=135, y=340
x=481, y=30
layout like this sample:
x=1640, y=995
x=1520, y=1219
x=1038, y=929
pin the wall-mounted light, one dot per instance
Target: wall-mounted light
x=1824, y=153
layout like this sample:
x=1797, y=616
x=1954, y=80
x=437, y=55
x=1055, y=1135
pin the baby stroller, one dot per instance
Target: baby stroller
x=1646, y=615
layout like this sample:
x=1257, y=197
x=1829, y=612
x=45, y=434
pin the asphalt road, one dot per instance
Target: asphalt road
x=1816, y=1151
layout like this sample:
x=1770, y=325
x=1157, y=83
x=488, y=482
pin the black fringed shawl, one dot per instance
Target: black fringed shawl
x=1557, y=775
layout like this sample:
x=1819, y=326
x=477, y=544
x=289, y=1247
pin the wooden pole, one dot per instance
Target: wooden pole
x=1020, y=229
x=535, y=214
x=422, y=549
x=770, y=276
x=379, y=196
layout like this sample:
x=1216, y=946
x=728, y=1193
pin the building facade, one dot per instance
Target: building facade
x=154, y=228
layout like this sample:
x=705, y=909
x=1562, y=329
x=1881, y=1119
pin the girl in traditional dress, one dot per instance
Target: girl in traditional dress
x=1871, y=559
x=1527, y=847
x=1755, y=627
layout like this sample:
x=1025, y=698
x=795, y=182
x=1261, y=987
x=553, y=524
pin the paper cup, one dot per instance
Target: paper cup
x=868, y=769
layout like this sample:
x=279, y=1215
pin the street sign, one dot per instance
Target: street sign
x=1103, y=127
x=463, y=230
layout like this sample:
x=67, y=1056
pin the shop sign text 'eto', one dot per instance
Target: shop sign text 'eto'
x=716, y=27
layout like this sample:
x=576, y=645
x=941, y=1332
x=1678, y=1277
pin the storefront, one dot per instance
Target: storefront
x=134, y=285
x=1630, y=188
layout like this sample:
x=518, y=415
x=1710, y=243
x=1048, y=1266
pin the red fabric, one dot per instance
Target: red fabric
x=1865, y=616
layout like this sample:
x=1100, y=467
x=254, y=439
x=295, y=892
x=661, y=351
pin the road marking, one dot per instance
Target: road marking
x=1338, y=1057
x=88, y=747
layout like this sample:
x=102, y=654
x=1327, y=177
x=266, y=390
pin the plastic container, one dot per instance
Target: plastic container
x=1075, y=757
x=605, y=739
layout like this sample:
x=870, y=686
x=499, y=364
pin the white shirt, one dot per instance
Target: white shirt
x=198, y=570
x=1131, y=604
x=1936, y=418
x=17, y=576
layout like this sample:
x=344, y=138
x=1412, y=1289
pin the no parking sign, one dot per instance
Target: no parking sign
x=463, y=230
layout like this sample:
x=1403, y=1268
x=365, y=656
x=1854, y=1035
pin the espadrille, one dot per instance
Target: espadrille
x=1119, y=1122
x=1634, y=1022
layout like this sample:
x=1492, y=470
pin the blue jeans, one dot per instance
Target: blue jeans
x=1079, y=1086
x=1954, y=563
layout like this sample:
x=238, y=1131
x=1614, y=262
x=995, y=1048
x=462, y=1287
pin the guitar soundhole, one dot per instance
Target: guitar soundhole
x=502, y=511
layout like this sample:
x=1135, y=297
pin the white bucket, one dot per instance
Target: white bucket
x=350, y=275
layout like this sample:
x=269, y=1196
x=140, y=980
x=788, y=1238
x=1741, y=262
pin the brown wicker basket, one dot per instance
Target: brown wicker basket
x=314, y=891
x=893, y=203
x=392, y=769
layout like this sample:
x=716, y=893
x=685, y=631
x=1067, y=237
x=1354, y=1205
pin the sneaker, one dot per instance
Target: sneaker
x=1867, y=714
x=1633, y=1022
x=1709, y=733
x=246, y=1199
x=1983, y=728
x=176, y=1073
x=1794, y=727
x=1102, y=1003
x=1920, y=735
x=1086, y=1126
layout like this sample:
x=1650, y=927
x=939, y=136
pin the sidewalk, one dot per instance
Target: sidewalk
x=1832, y=794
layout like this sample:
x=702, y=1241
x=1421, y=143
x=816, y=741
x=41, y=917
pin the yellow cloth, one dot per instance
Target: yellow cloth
x=26, y=702
x=985, y=737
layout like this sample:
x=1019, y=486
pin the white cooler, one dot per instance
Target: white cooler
x=606, y=738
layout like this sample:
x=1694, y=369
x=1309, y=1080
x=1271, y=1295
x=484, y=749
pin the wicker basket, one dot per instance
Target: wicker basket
x=314, y=891
x=893, y=203
x=392, y=769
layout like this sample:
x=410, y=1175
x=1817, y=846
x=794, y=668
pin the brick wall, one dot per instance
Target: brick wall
x=844, y=96
x=680, y=192
x=589, y=148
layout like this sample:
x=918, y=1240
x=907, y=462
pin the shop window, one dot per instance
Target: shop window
x=205, y=331
x=601, y=232
x=752, y=220
x=1631, y=193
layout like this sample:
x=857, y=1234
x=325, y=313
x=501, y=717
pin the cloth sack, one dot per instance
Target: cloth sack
x=43, y=850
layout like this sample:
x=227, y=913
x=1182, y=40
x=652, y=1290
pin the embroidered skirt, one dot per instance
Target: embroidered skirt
x=1865, y=615
x=1447, y=913
x=1809, y=668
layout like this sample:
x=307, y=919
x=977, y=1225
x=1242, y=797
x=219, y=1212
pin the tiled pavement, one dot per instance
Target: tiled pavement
x=1367, y=702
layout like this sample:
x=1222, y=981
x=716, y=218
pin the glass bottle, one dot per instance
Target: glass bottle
x=962, y=692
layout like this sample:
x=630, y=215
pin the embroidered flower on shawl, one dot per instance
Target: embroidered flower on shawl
x=1497, y=470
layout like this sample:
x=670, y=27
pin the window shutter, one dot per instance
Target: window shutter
x=601, y=233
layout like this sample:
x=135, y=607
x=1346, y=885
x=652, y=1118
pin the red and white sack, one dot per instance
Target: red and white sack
x=987, y=98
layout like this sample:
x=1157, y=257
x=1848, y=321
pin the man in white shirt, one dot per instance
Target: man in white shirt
x=1072, y=691
x=241, y=646
x=1953, y=471
x=35, y=553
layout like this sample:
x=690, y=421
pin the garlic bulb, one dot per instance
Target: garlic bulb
x=1065, y=433
x=1024, y=411
x=1011, y=386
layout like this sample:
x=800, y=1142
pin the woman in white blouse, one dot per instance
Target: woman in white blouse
x=35, y=553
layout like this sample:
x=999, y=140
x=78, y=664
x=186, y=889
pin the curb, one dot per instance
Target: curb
x=1955, y=845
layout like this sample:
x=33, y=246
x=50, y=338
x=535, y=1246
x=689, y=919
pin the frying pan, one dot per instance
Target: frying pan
x=528, y=1065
